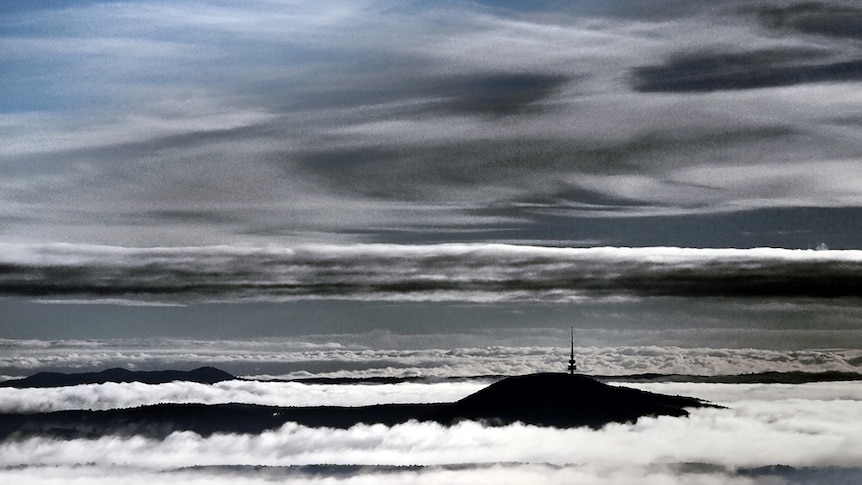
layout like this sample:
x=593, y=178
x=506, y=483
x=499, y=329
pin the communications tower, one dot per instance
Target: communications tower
x=573, y=365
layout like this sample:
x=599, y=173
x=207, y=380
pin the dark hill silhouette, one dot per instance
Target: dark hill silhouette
x=203, y=375
x=554, y=400
x=563, y=400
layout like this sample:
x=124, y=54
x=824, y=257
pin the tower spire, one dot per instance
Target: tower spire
x=573, y=366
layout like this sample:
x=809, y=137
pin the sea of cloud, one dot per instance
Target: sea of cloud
x=293, y=358
x=808, y=425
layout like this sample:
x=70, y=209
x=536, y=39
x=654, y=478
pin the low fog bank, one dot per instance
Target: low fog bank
x=133, y=394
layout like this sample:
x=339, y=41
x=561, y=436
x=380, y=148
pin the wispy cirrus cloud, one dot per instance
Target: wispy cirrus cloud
x=377, y=121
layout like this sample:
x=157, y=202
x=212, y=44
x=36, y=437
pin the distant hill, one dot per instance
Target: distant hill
x=553, y=400
x=204, y=375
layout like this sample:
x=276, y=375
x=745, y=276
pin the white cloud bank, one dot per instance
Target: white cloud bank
x=126, y=395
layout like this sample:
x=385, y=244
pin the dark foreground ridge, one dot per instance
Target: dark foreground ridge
x=553, y=400
x=203, y=375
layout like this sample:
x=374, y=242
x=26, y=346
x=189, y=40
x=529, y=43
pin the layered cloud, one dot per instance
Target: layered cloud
x=161, y=123
x=469, y=273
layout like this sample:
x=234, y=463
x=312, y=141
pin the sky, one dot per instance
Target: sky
x=433, y=174
x=585, y=123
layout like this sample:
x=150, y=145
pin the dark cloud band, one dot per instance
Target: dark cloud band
x=731, y=71
x=423, y=273
x=816, y=18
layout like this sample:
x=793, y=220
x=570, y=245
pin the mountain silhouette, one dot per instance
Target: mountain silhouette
x=551, y=400
x=203, y=375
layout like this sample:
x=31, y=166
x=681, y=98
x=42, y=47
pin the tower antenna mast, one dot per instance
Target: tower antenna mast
x=573, y=366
